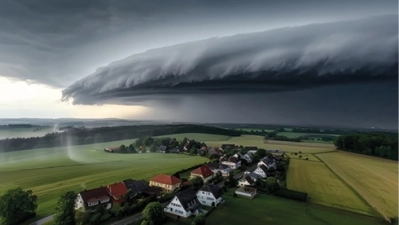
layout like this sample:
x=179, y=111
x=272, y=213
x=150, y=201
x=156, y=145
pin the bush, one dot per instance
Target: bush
x=307, y=158
x=234, y=194
x=295, y=153
x=300, y=156
x=296, y=195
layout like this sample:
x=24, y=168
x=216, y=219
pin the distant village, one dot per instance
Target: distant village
x=245, y=168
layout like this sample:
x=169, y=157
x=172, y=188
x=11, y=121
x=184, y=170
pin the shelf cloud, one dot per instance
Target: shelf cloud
x=276, y=60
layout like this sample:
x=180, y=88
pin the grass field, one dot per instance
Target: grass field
x=266, y=209
x=254, y=140
x=373, y=178
x=324, y=187
x=53, y=171
x=295, y=134
x=24, y=132
x=198, y=137
x=310, y=157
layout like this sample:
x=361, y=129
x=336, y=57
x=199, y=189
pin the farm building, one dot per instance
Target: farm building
x=224, y=146
x=166, y=182
x=90, y=199
x=246, y=191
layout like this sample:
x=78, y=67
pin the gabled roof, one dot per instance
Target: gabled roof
x=94, y=195
x=234, y=159
x=263, y=167
x=188, y=199
x=253, y=175
x=204, y=171
x=117, y=189
x=214, y=189
x=249, y=180
x=161, y=148
x=166, y=179
x=135, y=185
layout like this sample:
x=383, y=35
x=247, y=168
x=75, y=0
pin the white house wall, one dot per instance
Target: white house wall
x=175, y=207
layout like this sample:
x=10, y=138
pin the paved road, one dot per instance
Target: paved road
x=44, y=220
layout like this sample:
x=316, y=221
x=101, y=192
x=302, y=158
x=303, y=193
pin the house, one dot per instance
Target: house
x=147, y=149
x=248, y=157
x=186, y=145
x=210, y=195
x=268, y=161
x=175, y=150
x=117, y=191
x=90, y=199
x=238, y=155
x=152, y=191
x=136, y=186
x=246, y=191
x=218, y=167
x=166, y=182
x=224, y=146
x=251, y=148
x=114, y=149
x=261, y=171
x=204, y=172
x=253, y=176
x=184, y=204
x=161, y=149
x=232, y=162
x=246, y=181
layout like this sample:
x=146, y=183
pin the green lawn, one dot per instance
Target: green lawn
x=266, y=209
x=51, y=172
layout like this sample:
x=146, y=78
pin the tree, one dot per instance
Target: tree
x=261, y=153
x=197, y=182
x=154, y=213
x=122, y=149
x=130, y=197
x=281, y=166
x=16, y=205
x=131, y=149
x=271, y=184
x=153, y=148
x=199, y=220
x=193, y=151
x=65, y=212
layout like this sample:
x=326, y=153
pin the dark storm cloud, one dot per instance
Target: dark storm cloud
x=276, y=60
x=57, y=42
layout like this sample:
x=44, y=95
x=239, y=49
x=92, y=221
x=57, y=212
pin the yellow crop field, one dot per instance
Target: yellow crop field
x=324, y=187
x=254, y=140
x=376, y=180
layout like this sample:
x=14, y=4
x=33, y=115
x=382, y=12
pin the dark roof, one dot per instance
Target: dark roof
x=152, y=190
x=188, y=199
x=251, y=148
x=161, y=148
x=213, y=166
x=253, y=175
x=263, y=167
x=249, y=179
x=228, y=145
x=94, y=195
x=174, y=150
x=135, y=185
x=234, y=159
x=214, y=189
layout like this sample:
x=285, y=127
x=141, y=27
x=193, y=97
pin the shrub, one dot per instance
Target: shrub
x=300, y=156
x=234, y=194
x=307, y=159
x=295, y=153
x=296, y=195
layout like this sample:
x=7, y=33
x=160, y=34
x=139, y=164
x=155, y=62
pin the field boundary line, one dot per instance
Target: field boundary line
x=351, y=188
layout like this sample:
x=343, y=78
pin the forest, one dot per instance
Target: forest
x=80, y=136
x=384, y=145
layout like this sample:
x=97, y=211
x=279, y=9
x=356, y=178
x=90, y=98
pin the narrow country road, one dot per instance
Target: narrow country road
x=133, y=218
x=43, y=220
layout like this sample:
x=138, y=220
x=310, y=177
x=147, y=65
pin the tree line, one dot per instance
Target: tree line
x=384, y=145
x=79, y=136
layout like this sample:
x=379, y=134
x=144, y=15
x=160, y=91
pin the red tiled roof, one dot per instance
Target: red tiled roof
x=166, y=179
x=94, y=195
x=117, y=189
x=205, y=171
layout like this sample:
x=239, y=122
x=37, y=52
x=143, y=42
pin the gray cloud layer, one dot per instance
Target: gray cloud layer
x=275, y=60
x=58, y=42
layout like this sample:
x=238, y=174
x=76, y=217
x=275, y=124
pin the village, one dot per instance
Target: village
x=193, y=191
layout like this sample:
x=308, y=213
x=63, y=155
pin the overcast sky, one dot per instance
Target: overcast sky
x=92, y=53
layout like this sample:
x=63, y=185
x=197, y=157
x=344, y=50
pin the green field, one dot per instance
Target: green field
x=295, y=135
x=24, y=132
x=266, y=209
x=310, y=157
x=375, y=179
x=324, y=187
x=198, y=137
x=53, y=171
x=255, y=140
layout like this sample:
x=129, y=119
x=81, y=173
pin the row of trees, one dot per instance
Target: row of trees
x=78, y=136
x=384, y=145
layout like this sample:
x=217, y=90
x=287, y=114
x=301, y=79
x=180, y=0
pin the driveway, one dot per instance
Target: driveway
x=44, y=220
